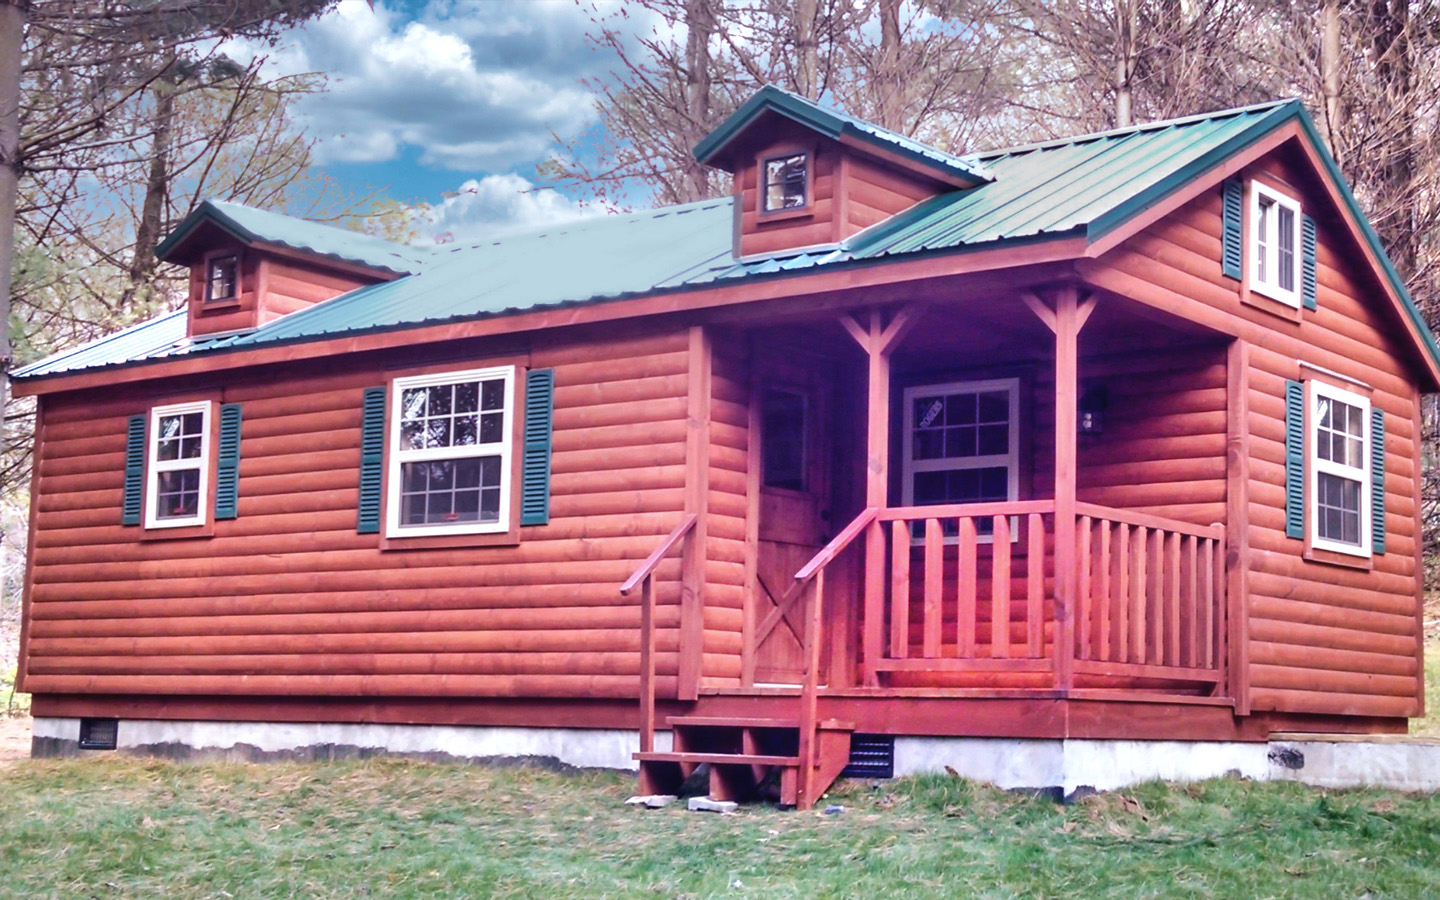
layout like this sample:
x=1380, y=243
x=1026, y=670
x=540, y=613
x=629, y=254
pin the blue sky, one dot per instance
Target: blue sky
x=452, y=102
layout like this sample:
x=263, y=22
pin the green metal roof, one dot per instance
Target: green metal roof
x=261, y=226
x=834, y=124
x=1081, y=187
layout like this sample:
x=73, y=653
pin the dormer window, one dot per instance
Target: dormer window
x=1275, y=244
x=787, y=182
x=222, y=279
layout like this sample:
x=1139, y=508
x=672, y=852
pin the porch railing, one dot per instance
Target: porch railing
x=967, y=586
x=971, y=588
x=1149, y=596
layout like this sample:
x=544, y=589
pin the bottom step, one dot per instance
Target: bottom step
x=747, y=757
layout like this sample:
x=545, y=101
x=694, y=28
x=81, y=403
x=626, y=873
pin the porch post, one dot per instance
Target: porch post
x=1067, y=394
x=877, y=339
x=877, y=489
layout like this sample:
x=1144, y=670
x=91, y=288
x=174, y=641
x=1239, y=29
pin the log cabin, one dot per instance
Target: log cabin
x=892, y=458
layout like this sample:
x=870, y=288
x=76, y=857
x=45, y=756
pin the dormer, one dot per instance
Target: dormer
x=807, y=177
x=249, y=267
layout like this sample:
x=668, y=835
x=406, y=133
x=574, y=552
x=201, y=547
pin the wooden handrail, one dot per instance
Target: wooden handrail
x=653, y=560
x=837, y=544
x=819, y=561
x=643, y=578
x=966, y=510
x=1146, y=520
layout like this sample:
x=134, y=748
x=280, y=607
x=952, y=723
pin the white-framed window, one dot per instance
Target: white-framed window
x=787, y=182
x=1275, y=244
x=222, y=278
x=962, y=443
x=1338, y=444
x=449, y=453
x=178, y=465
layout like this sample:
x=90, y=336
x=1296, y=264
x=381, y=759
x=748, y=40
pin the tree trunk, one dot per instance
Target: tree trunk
x=157, y=187
x=887, y=76
x=1390, y=44
x=1127, y=14
x=1330, y=72
x=807, y=49
x=700, y=24
x=13, y=15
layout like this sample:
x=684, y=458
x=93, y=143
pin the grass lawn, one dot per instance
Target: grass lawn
x=383, y=828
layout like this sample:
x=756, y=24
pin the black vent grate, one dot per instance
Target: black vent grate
x=871, y=756
x=98, y=734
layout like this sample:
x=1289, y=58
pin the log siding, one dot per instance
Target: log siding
x=1320, y=638
x=287, y=599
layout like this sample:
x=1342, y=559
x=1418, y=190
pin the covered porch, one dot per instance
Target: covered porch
x=928, y=519
x=987, y=540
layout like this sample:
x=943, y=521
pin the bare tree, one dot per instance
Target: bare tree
x=931, y=68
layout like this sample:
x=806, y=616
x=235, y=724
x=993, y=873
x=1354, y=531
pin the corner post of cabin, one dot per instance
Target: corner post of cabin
x=1237, y=523
x=697, y=492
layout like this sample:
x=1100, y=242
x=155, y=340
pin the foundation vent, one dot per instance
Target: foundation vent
x=871, y=756
x=99, y=734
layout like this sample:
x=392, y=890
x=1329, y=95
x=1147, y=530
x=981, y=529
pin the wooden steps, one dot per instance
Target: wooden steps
x=745, y=755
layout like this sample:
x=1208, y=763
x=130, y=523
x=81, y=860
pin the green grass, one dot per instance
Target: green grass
x=384, y=828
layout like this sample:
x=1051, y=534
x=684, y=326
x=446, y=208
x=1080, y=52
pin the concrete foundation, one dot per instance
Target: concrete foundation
x=1063, y=766
x=580, y=748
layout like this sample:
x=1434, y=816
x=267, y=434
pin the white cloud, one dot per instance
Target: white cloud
x=499, y=203
x=476, y=86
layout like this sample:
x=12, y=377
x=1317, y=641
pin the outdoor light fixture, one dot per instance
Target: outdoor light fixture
x=1093, y=404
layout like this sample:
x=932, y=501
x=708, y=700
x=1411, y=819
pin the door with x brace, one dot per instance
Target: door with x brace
x=793, y=406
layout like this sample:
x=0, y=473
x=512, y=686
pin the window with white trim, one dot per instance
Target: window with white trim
x=961, y=443
x=222, y=278
x=178, y=465
x=1339, y=489
x=1275, y=244
x=449, y=457
x=786, y=182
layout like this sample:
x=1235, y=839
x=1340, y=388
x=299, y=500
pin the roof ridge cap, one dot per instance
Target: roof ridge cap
x=1157, y=125
x=533, y=231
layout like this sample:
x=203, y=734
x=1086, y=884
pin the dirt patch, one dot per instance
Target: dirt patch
x=14, y=739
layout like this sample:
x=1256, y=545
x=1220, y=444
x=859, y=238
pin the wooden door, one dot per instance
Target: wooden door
x=792, y=407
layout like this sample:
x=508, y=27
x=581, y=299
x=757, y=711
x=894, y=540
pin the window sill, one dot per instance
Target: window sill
x=219, y=305
x=785, y=215
x=1250, y=297
x=509, y=538
x=1335, y=558
x=179, y=533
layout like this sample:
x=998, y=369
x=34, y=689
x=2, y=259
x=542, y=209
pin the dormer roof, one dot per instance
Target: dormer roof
x=846, y=129
x=257, y=226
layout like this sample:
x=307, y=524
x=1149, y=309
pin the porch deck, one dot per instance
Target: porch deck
x=961, y=601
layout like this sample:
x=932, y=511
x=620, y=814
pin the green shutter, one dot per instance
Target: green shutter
x=1377, y=481
x=227, y=468
x=372, y=460
x=1294, y=460
x=535, y=485
x=134, y=472
x=1307, y=261
x=1232, y=207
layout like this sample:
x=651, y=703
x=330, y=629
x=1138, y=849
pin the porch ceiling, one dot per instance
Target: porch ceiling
x=999, y=329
